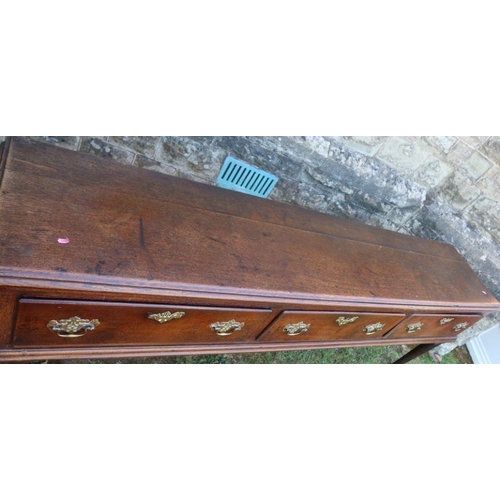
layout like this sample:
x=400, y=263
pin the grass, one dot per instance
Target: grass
x=358, y=355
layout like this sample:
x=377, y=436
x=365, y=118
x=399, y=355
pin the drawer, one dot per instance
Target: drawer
x=434, y=325
x=65, y=323
x=307, y=326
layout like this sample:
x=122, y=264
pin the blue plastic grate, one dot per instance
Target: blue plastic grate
x=240, y=176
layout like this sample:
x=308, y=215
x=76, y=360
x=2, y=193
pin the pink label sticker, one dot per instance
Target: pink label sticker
x=63, y=241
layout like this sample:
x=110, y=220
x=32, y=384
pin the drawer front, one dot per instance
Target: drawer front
x=65, y=323
x=307, y=326
x=434, y=325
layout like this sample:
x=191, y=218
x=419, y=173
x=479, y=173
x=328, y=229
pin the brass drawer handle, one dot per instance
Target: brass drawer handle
x=461, y=326
x=295, y=329
x=371, y=329
x=166, y=316
x=72, y=326
x=446, y=320
x=227, y=327
x=414, y=327
x=344, y=321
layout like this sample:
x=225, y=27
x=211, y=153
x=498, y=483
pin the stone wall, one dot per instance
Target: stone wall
x=443, y=188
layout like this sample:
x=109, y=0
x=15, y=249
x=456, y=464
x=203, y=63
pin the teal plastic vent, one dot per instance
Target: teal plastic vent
x=240, y=176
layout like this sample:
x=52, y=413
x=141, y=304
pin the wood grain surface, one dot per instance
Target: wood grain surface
x=431, y=327
x=324, y=326
x=30, y=354
x=85, y=236
x=130, y=226
x=123, y=324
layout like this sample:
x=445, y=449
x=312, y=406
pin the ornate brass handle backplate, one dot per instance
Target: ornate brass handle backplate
x=227, y=327
x=166, y=316
x=413, y=327
x=341, y=321
x=70, y=327
x=445, y=320
x=461, y=326
x=296, y=328
x=371, y=329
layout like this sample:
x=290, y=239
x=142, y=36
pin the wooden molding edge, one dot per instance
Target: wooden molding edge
x=32, y=354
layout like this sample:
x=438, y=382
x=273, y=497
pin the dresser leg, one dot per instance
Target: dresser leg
x=415, y=353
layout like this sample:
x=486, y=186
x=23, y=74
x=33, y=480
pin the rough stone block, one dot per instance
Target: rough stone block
x=425, y=223
x=380, y=221
x=402, y=155
x=368, y=145
x=392, y=226
x=68, y=141
x=458, y=154
x=459, y=190
x=283, y=145
x=192, y=176
x=432, y=173
x=477, y=165
x=438, y=145
x=410, y=138
x=98, y=147
x=486, y=213
x=370, y=203
x=302, y=194
x=402, y=215
x=423, y=226
x=323, y=177
x=311, y=197
x=483, y=254
x=474, y=141
x=491, y=149
x=149, y=164
x=295, y=152
x=281, y=158
x=188, y=154
x=356, y=173
x=489, y=184
x=351, y=211
x=144, y=145
x=318, y=144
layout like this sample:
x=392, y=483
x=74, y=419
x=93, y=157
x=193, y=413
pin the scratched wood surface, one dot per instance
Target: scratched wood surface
x=138, y=227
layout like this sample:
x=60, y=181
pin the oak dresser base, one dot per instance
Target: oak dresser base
x=102, y=260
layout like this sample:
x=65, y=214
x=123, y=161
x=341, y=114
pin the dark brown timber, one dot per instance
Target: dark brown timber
x=86, y=237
